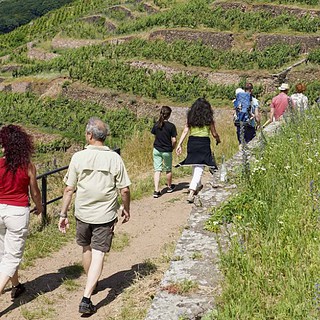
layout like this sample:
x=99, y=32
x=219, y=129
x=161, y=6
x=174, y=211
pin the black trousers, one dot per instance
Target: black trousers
x=248, y=134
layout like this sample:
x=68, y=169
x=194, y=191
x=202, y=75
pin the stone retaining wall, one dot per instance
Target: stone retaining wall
x=307, y=42
x=217, y=40
x=275, y=10
x=64, y=43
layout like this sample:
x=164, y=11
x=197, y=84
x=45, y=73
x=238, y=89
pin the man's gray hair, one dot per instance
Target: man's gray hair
x=98, y=128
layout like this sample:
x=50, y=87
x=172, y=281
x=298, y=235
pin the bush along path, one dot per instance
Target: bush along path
x=190, y=286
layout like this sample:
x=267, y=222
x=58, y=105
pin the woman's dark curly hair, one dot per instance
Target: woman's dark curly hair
x=200, y=114
x=18, y=147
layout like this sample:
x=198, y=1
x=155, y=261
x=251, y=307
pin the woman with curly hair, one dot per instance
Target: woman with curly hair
x=200, y=124
x=17, y=178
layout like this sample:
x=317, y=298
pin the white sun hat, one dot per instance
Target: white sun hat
x=284, y=86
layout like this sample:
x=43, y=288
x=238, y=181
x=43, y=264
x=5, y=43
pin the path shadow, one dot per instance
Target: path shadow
x=121, y=280
x=43, y=284
x=179, y=186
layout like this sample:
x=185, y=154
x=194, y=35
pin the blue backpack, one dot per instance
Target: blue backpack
x=242, y=106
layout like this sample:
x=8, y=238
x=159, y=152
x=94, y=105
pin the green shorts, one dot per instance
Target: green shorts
x=162, y=160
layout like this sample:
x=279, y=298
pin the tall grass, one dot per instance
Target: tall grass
x=272, y=268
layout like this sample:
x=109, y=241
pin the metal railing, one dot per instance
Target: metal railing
x=44, y=189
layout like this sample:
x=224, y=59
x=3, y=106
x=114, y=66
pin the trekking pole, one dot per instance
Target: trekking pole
x=266, y=123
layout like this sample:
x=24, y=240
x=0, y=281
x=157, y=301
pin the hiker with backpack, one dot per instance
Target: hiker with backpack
x=247, y=115
x=280, y=103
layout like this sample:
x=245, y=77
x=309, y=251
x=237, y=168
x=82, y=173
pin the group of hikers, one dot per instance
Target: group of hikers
x=200, y=125
x=97, y=175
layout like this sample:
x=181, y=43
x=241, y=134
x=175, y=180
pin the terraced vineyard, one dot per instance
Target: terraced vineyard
x=122, y=60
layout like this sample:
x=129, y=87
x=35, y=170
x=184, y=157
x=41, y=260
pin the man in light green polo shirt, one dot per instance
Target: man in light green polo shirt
x=96, y=173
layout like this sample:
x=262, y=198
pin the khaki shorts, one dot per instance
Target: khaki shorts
x=98, y=236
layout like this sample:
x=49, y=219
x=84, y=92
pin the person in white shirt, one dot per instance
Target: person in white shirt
x=300, y=101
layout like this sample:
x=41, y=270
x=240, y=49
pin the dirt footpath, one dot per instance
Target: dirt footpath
x=154, y=223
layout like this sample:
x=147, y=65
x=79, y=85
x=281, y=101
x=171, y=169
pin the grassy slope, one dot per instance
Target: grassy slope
x=273, y=265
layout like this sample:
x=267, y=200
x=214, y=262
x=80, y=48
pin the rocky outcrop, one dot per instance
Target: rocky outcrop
x=39, y=54
x=110, y=26
x=54, y=88
x=217, y=40
x=123, y=10
x=21, y=87
x=5, y=87
x=9, y=68
x=149, y=8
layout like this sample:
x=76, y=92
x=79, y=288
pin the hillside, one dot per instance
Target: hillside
x=123, y=60
x=16, y=13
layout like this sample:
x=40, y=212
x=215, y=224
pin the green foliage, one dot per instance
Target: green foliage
x=120, y=76
x=164, y=3
x=199, y=13
x=84, y=30
x=15, y=13
x=116, y=75
x=67, y=117
x=60, y=144
x=50, y=24
x=191, y=14
x=272, y=267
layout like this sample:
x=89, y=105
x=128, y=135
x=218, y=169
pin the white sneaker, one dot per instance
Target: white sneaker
x=190, y=198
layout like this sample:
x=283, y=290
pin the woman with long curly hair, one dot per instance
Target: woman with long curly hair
x=17, y=178
x=200, y=124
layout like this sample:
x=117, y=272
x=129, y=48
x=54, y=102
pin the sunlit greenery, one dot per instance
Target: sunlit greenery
x=272, y=267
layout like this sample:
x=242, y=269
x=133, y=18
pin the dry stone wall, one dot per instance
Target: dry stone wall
x=64, y=43
x=216, y=40
x=307, y=42
x=275, y=10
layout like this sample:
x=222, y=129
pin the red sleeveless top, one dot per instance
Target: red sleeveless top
x=14, y=190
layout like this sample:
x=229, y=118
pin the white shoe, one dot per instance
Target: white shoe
x=190, y=198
